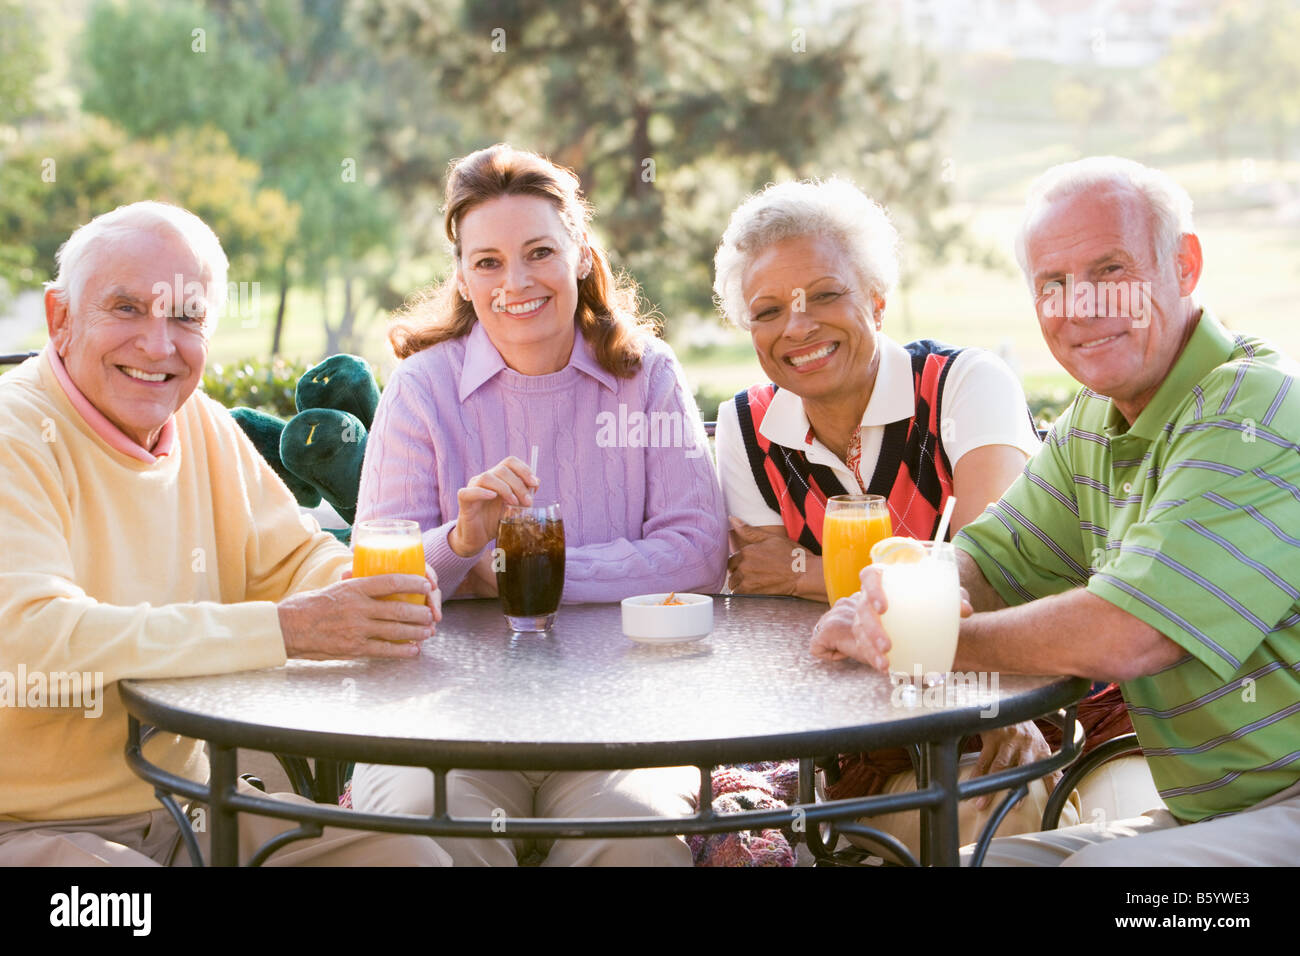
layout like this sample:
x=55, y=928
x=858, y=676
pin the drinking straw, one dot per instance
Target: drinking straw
x=945, y=518
x=532, y=466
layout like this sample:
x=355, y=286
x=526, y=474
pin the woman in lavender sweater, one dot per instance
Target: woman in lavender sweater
x=534, y=342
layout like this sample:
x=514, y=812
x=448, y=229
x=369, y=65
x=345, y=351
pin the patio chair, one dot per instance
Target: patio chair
x=323, y=786
x=823, y=839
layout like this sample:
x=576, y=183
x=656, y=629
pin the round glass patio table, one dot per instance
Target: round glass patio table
x=585, y=697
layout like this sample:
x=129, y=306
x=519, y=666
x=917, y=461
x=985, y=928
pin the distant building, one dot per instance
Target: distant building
x=1105, y=32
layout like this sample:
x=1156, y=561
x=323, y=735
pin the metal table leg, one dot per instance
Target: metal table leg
x=225, y=823
x=920, y=755
x=943, y=846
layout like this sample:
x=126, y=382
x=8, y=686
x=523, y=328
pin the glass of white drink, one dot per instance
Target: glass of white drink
x=924, y=607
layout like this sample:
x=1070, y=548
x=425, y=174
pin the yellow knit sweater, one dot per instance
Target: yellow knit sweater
x=112, y=566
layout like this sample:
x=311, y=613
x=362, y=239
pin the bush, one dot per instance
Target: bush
x=255, y=383
x=1048, y=403
x=708, y=398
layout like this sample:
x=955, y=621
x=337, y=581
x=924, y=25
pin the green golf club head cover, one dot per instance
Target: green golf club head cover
x=343, y=382
x=326, y=447
x=264, y=431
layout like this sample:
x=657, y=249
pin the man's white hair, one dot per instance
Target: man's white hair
x=78, y=257
x=834, y=208
x=1169, y=204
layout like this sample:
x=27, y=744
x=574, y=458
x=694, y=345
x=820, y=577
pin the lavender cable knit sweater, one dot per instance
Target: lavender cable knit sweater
x=639, y=517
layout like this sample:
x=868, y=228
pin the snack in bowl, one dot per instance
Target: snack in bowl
x=652, y=619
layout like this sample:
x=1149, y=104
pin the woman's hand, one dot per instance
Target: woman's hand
x=481, y=501
x=763, y=561
x=481, y=582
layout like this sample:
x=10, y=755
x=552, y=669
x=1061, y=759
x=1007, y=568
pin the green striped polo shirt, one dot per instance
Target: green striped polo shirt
x=1187, y=520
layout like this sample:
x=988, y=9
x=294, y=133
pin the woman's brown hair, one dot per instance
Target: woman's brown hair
x=607, y=310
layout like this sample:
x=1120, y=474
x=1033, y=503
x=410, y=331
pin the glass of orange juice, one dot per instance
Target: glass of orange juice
x=388, y=546
x=854, y=523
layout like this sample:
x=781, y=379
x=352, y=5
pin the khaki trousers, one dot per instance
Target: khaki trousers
x=1122, y=788
x=1267, y=834
x=152, y=838
x=503, y=794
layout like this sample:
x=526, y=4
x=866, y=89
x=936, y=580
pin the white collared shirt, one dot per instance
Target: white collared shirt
x=981, y=397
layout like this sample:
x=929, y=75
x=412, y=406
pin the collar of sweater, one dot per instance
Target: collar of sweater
x=113, y=436
x=483, y=362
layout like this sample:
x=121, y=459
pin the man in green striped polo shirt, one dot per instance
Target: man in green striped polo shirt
x=1155, y=538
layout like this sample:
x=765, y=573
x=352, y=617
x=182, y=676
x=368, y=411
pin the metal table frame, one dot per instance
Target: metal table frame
x=937, y=737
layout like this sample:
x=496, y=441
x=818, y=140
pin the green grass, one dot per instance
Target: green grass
x=303, y=337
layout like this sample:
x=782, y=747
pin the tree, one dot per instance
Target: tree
x=53, y=186
x=285, y=83
x=50, y=187
x=671, y=111
x=1240, y=70
x=1081, y=101
x=22, y=60
x=1270, y=61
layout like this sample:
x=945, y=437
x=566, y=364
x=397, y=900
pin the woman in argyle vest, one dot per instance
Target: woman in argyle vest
x=807, y=268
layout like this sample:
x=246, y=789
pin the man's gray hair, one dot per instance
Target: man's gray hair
x=1169, y=204
x=834, y=208
x=77, y=258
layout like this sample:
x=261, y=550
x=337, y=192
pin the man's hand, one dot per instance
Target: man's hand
x=852, y=628
x=349, y=620
x=762, y=560
x=1012, y=746
x=432, y=598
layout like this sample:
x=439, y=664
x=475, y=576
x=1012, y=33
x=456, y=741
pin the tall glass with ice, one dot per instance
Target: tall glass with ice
x=530, y=568
x=924, y=610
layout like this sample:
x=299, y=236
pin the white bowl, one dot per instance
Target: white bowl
x=647, y=619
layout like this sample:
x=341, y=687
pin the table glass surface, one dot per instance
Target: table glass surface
x=583, y=683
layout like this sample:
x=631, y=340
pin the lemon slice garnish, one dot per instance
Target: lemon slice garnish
x=897, y=551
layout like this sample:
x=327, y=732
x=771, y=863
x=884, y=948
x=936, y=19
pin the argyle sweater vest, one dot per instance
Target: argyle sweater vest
x=913, y=472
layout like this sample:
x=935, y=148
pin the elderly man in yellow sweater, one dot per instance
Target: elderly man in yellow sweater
x=143, y=536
